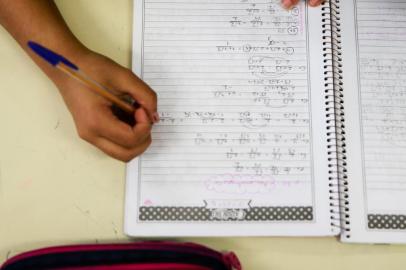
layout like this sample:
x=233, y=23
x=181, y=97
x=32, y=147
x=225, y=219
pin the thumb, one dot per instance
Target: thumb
x=140, y=92
x=141, y=116
x=143, y=124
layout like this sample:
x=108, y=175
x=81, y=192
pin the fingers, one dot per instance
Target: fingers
x=291, y=3
x=315, y=3
x=114, y=137
x=124, y=144
x=119, y=152
x=120, y=133
x=140, y=91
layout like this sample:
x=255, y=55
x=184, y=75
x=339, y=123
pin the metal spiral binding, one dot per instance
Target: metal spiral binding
x=338, y=180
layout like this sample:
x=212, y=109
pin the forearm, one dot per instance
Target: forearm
x=40, y=21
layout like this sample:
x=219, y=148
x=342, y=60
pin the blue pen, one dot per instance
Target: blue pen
x=127, y=104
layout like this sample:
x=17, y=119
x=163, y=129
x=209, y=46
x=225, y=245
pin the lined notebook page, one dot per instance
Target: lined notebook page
x=234, y=144
x=382, y=59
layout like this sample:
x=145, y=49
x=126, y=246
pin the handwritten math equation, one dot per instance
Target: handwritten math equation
x=233, y=87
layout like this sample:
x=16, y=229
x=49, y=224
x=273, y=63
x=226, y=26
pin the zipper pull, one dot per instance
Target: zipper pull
x=232, y=261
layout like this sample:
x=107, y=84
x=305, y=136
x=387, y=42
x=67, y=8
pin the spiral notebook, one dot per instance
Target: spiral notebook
x=273, y=122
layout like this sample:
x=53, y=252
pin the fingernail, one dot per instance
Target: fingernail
x=286, y=3
x=155, y=117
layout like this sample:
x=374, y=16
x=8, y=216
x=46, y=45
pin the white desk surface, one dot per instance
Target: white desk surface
x=56, y=189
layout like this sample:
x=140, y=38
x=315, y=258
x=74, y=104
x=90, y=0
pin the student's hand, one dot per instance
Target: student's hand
x=93, y=117
x=41, y=21
x=291, y=3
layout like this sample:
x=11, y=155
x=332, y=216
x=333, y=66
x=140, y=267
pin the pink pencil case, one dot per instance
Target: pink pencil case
x=134, y=256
